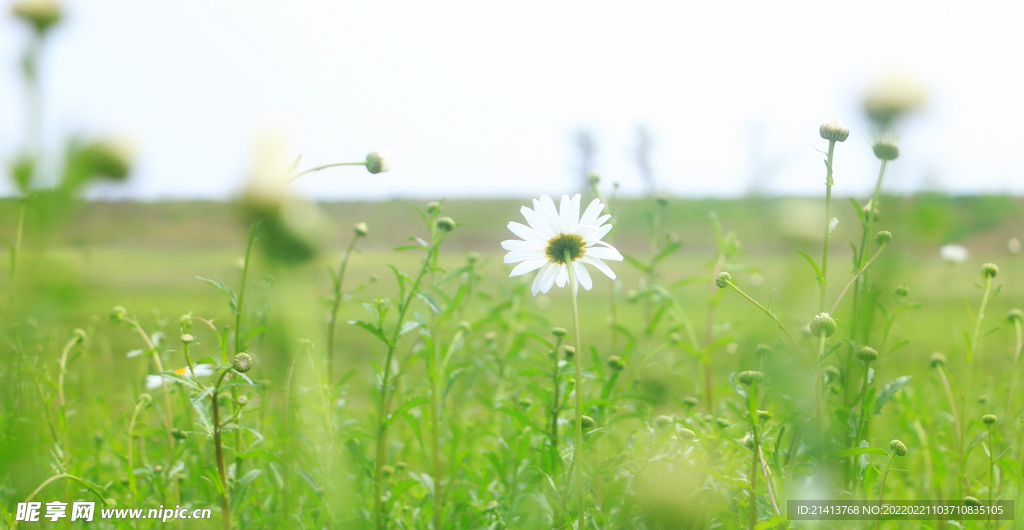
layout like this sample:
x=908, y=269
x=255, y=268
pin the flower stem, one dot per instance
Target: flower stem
x=335, y=306
x=578, y=458
x=225, y=506
x=239, y=345
x=325, y=166
x=1013, y=374
x=828, y=224
x=769, y=313
x=854, y=279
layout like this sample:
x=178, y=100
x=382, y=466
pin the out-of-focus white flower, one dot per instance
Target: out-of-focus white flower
x=556, y=239
x=156, y=381
x=954, y=253
x=1013, y=245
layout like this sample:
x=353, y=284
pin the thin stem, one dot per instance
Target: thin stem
x=241, y=288
x=225, y=505
x=828, y=224
x=709, y=328
x=862, y=425
x=952, y=405
x=335, y=306
x=752, y=479
x=1013, y=373
x=16, y=249
x=881, y=492
x=854, y=279
x=865, y=246
x=325, y=166
x=769, y=313
x=578, y=450
x=991, y=464
x=820, y=384
x=554, y=401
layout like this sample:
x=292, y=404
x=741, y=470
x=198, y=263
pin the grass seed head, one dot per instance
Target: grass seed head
x=833, y=130
x=898, y=448
x=723, y=280
x=823, y=324
x=867, y=354
x=989, y=270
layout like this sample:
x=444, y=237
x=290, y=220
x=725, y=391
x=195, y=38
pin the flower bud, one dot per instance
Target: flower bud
x=989, y=270
x=158, y=469
x=685, y=434
x=145, y=400
x=464, y=327
x=594, y=178
x=491, y=336
x=446, y=224
x=971, y=501
x=187, y=339
x=764, y=415
x=361, y=229
x=749, y=377
x=663, y=421
x=675, y=338
x=118, y=314
x=874, y=213
x=883, y=238
x=833, y=130
x=989, y=419
x=569, y=352
x=242, y=362
x=615, y=363
x=762, y=350
x=242, y=401
x=832, y=373
x=400, y=466
x=901, y=291
x=185, y=320
x=1013, y=246
x=377, y=163
x=891, y=97
x=525, y=402
x=473, y=257
x=723, y=280
x=433, y=207
x=937, y=360
x=1015, y=315
x=78, y=336
x=491, y=506
x=559, y=332
x=110, y=159
x=898, y=447
x=178, y=434
x=386, y=471
x=690, y=401
x=886, y=148
x=823, y=324
x=41, y=14
x=588, y=422
x=867, y=354
x=722, y=423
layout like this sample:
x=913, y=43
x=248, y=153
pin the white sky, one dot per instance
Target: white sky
x=482, y=98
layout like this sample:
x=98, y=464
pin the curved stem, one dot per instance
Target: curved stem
x=854, y=279
x=325, y=166
x=770, y=315
x=241, y=288
x=578, y=458
x=335, y=306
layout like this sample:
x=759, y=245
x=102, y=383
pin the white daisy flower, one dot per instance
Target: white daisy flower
x=552, y=234
x=953, y=253
x=156, y=381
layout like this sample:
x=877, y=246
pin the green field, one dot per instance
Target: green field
x=301, y=453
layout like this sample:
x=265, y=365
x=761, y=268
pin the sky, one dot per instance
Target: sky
x=482, y=99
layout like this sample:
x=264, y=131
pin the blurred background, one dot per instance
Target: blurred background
x=487, y=100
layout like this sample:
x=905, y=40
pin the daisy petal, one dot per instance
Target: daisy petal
x=518, y=244
x=549, y=213
x=524, y=255
x=549, y=280
x=527, y=266
x=563, y=275
x=582, y=276
x=597, y=234
x=604, y=252
x=599, y=265
x=590, y=215
x=565, y=222
x=545, y=271
x=537, y=223
x=525, y=232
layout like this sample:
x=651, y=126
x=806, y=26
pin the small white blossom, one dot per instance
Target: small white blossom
x=953, y=253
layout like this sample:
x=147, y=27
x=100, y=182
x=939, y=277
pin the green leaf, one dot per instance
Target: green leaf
x=430, y=302
x=179, y=378
x=372, y=329
x=637, y=263
x=817, y=269
x=232, y=298
x=406, y=406
x=970, y=350
x=889, y=391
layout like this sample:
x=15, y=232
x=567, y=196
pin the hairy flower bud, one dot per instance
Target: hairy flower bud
x=663, y=421
x=187, y=339
x=242, y=401
x=883, y=238
x=1015, y=315
x=361, y=229
x=823, y=324
x=937, y=360
x=386, y=471
x=377, y=163
x=569, y=352
x=446, y=224
x=898, y=447
x=901, y=291
x=833, y=130
x=832, y=373
x=242, y=362
x=867, y=354
x=118, y=314
x=886, y=148
x=145, y=400
x=433, y=207
x=615, y=363
x=685, y=434
x=690, y=401
x=723, y=280
x=989, y=419
x=594, y=178
x=749, y=377
x=78, y=336
x=588, y=422
x=989, y=270
x=971, y=501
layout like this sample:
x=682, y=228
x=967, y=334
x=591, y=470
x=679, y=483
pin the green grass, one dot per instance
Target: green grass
x=312, y=442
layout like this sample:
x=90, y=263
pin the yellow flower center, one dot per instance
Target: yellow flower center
x=558, y=245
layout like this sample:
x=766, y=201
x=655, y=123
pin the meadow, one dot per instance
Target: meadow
x=301, y=451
